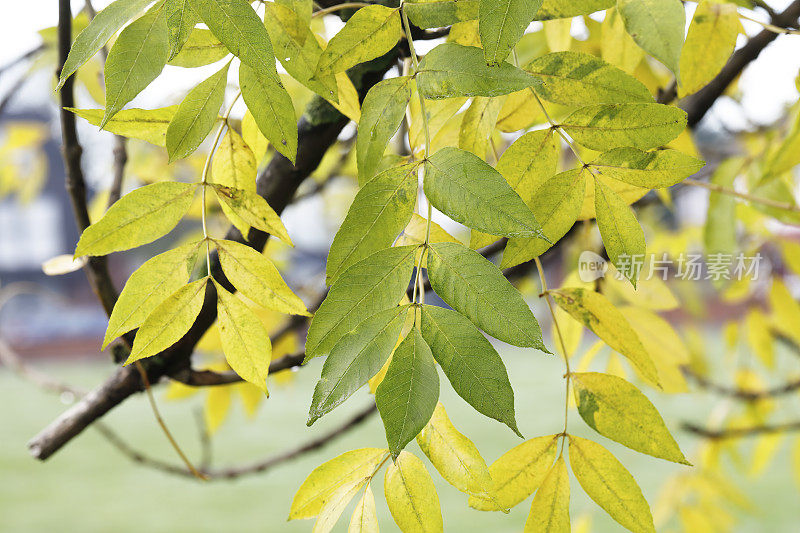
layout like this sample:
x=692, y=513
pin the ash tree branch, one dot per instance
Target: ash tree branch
x=737, y=433
x=742, y=394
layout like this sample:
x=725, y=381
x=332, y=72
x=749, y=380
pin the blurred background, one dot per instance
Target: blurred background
x=53, y=324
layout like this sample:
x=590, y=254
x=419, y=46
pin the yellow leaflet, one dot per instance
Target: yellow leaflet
x=785, y=310
x=759, y=337
x=364, y=519
x=411, y=495
x=652, y=293
x=332, y=510
x=550, y=507
x=217, y=407
x=557, y=33
x=766, y=448
x=146, y=124
x=478, y=123
x=519, y=111
x=253, y=137
x=618, y=48
x=629, y=194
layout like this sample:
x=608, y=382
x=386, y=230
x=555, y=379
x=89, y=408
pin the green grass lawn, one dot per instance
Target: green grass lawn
x=89, y=486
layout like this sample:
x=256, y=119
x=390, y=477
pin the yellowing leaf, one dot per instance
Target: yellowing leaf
x=478, y=124
x=169, y=321
x=364, y=519
x=622, y=235
x=709, y=43
x=332, y=510
x=141, y=216
x=256, y=277
x=216, y=408
x=617, y=47
x=148, y=286
x=322, y=483
x=550, y=507
x=759, y=337
x=438, y=13
x=234, y=164
x=518, y=473
x=411, y=496
x=253, y=209
x=253, y=137
x=659, y=168
x=785, y=310
x=617, y=410
x=598, y=314
x=146, y=124
x=657, y=26
x=202, y=48
x=609, y=484
x=245, y=342
x=454, y=455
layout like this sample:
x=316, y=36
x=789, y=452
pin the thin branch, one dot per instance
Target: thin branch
x=737, y=433
x=742, y=394
x=744, y=196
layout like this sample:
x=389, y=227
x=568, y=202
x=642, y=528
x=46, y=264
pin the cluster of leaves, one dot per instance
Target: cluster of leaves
x=490, y=76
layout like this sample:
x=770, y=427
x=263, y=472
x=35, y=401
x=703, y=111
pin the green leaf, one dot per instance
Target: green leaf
x=295, y=44
x=272, y=109
x=642, y=126
x=371, y=32
x=196, y=115
x=622, y=235
x=137, y=58
x=168, y=322
x=471, y=363
x=710, y=41
x=372, y=285
x=97, y=33
x=253, y=209
x=502, y=23
x=468, y=190
x=148, y=287
x=439, y=13
x=146, y=124
x=577, y=78
x=557, y=9
x=652, y=170
x=141, y=216
x=550, y=507
x=597, y=313
x=357, y=357
x=381, y=114
x=236, y=24
x=657, y=26
x=454, y=70
x=202, y=48
x=609, y=484
x=254, y=275
x=719, y=233
x=409, y=391
x=380, y=210
x=558, y=202
x=518, y=473
x=454, y=455
x=322, y=483
x=245, y=342
x=473, y=286
x=181, y=20
x=411, y=496
x=617, y=410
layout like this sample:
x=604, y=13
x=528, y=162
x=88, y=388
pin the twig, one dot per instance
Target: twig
x=744, y=196
x=742, y=394
x=736, y=433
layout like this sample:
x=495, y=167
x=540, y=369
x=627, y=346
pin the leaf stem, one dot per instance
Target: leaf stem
x=546, y=295
x=332, y=9
x=771, y=27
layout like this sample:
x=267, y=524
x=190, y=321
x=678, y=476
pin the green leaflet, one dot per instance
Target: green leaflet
x=468, y=190
x=471, y=363
x=618, y=410
x=657, y=26
x=236, y=24
x=473, y=286
x=557, y=9
x=253, y=209
x=652, y=170
x=327, y=478
x=254, y=275
x=372, y=285
x=578, y=79
x=558, y=202
x=202, y=48
x=439, y=13
x=97, y=33
x=245, y=342
x=719, y=232
x=451, y=70
x=550, y=507
x=196, y=115
x=409, y=392
x=371, y=32
x=597, y=313
x=501, y=24
x=181, y=20
x=136, y=59
x=302, y=8
x=141, y=216
x=609, y=484
x=607, y=126
x=148, y=287
x=411, y=496
x=169, y=321
x=518, y=473
x=146, y=124
x=622, y=235
x=272, y=109
x=380, y=210
x=381, y=114
x=357, y=357
x=454, y=455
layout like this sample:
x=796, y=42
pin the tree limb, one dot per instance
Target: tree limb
x=736, y=433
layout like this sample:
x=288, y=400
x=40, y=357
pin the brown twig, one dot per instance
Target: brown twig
x=736, y=433
x=742, y=394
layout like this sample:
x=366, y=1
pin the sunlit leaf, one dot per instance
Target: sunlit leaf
x=411, y=495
